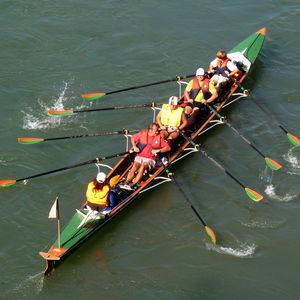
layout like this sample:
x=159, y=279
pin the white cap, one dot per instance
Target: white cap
x=200, y=72
x=173, y=100
x=101, y=177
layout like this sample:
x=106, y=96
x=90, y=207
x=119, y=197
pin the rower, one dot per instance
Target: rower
x=171, y=120
x=198, y=92
x=147, y=143
x=99, y=194
x=224, y=70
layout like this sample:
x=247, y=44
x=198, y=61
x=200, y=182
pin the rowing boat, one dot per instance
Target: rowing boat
x=85, y=223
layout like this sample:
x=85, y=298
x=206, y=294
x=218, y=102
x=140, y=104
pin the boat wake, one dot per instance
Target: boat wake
x=270, y=191
x=291, y=158
x=31, y=286
x=243, y=250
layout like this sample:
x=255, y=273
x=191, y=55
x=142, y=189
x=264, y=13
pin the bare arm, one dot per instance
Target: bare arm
x=134, y=146
x=183, y=121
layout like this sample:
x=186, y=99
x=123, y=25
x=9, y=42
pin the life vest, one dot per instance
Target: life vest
x=171, y=117
x=221, y=67
x=143, y=142
x=97, y=196
x=203, y=86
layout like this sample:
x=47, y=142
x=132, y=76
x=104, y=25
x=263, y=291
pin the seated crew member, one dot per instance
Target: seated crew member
x=171, y=119
x=223, y=69
x=198, y=91
x=147, y=143
x=99, y=194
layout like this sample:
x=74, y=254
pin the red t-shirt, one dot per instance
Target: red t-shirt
x=146, y=152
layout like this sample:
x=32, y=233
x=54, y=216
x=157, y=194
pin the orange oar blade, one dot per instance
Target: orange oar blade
x=7, y=183
x=211, y=234
x=29, y=140
x=274, y=165
x=93, y=96
x=293, y=139
x=60, y=112
x=255, y=196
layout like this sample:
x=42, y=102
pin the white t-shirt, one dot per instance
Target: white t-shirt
x=230, y=65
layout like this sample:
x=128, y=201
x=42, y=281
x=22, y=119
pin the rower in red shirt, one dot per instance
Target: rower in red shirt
x=147, y=143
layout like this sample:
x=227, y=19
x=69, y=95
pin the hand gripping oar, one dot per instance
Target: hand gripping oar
x=292, y=138
x=38, y=140
x=9, y=182
x=71, y=112
x=94, y=96
x=208, y=230
x=253, y=195
x=270, y=162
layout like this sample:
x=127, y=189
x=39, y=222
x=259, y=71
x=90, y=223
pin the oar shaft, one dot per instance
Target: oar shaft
x=177, y=78
x=186, y=197
x=73, y=166
x=57, y=170
x=221, y=167
x=115, y=108
x=92, y=135
x=212, y=159
x=235, y=130
x=269, y=114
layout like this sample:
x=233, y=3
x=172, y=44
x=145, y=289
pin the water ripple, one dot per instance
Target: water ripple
x=263, y=223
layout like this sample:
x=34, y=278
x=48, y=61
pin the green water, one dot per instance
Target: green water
x=53, y=51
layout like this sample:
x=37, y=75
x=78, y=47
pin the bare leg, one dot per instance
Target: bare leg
x=131, y=173
x=139, y=176
x=173, y=136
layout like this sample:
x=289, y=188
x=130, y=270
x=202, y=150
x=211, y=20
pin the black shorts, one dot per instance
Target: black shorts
x=195, y=104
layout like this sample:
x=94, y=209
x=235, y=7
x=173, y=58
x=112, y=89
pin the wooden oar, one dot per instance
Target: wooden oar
x=272, y=164
x=71, y=112
x=208, y=230
x=38, y=140
x=253, y=195
x=9, y=182
x=94, y=96
x=292, y=138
